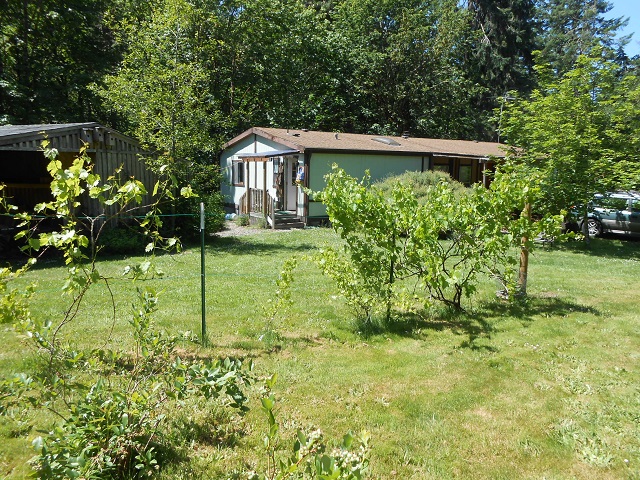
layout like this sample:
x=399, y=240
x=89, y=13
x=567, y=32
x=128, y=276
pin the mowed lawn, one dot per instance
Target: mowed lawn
x=549, y=389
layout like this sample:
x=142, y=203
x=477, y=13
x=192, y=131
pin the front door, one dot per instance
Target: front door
x=290, y=187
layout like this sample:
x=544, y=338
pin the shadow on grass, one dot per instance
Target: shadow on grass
x=607, y=246
x=416, y=325
x=477, y=326
x=247, y=246
x=532, y=307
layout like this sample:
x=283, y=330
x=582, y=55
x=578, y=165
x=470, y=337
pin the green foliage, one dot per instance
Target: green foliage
x=403, y=64
x=276, y=309
x=440, y=246
x=502, y=42
x=14, y=302
x=161, y=85
x=185, y=76
x=309, y=458
x=45, y=75
x=574, y=134
x=570, y=30
x=110, y=404
x=122, y=239
x=243, y=220
x=204, y=181
x=262, y=223
x=420, y=183
x=373, y=227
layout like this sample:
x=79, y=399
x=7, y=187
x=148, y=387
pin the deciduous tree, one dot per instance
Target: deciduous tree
x=576, y=133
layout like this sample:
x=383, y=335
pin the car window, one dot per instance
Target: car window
x=635, y=206
x=611, y=203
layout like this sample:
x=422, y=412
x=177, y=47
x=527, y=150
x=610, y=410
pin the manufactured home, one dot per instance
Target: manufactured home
x=266, y=168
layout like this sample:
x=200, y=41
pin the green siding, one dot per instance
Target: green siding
x=379, y=166
x=317, y=209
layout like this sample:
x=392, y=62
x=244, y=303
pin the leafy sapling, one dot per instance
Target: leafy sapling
x=309, y=457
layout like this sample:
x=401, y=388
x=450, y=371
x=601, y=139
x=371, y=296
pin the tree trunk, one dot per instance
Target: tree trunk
x=524, y=256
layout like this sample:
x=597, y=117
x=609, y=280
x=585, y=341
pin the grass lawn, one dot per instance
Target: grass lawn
x=548, y=390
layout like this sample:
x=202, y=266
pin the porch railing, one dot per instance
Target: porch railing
x=257, y=201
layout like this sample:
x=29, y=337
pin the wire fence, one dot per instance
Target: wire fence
x=114, y=280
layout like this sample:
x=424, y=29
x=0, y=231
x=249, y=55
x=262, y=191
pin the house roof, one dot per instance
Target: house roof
x=271, y=153
x=314, y=141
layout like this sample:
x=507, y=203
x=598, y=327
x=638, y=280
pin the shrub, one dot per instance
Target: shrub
x=390, y=237
x=262, y=223
x=204, y=180
x=420, y=183
x=122, y=239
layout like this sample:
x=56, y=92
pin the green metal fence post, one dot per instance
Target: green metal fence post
x=202, y=276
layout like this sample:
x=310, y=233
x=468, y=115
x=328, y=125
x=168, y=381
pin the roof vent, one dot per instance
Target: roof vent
x=386, y=140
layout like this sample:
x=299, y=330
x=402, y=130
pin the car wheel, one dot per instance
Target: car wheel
x=594, y=227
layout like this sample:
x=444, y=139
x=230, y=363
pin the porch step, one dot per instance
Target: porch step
x=287, y=221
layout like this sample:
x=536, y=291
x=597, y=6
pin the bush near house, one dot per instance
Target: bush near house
x=420, y=183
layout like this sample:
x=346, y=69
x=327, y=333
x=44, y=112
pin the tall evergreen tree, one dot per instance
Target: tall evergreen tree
x=505, y=40
x=575, y=27
x=501, y=55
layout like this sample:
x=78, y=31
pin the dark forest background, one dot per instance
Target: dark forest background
x=190, y=74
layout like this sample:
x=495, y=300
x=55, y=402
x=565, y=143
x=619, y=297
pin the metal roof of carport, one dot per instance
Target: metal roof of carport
x=10, y=132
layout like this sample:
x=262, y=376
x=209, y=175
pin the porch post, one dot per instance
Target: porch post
x=264, y=191
x=248, y=195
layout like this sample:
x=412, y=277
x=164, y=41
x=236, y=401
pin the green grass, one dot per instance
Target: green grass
x=550, y=389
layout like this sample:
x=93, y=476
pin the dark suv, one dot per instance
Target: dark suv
x=617, y=212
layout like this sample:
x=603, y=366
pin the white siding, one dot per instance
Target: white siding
x=252, y=144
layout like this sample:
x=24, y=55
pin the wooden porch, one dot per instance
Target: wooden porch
x=260, y=204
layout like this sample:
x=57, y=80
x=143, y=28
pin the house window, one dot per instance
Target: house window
x=237, y=173
x=441, y=167
x=464, y=174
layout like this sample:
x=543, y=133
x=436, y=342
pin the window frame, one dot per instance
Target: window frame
x=237, y=173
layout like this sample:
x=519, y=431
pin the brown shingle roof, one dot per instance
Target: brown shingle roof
x=350, y=142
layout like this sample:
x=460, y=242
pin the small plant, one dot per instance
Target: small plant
x=309, y=457
x=277, y=307
x=243, y=220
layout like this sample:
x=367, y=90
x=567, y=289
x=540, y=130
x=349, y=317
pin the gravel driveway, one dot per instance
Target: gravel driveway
x=232, y=229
